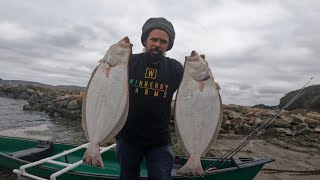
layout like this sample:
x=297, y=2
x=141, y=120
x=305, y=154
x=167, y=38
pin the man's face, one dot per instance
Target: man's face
x=157, y=42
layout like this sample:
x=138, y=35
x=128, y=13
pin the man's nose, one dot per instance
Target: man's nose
x=157, y=44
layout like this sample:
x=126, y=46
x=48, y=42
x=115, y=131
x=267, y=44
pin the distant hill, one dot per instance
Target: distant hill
x=262, y=106
x=31, y=83
x=309, y=99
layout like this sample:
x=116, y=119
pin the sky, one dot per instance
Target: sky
x=257, y=50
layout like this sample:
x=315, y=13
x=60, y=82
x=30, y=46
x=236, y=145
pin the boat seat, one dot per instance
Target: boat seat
x=42, y=150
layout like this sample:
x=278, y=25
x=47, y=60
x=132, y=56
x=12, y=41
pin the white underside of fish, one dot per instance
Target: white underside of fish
x=198, y=117
x=106, y=102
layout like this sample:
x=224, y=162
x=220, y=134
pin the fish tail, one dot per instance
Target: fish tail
x=193, y=167
x=92, y=155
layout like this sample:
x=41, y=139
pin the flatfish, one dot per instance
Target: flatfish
x=106, y=101
x=198, y=112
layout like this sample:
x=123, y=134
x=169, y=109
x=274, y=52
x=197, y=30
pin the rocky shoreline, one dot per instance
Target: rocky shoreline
x=241, y=120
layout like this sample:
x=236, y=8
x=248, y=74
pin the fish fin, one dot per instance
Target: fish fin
x=193, y=167
x=84, y=102
x=217, y=86
x=216, y=131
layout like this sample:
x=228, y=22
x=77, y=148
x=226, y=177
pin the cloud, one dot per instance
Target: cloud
x=258, y=50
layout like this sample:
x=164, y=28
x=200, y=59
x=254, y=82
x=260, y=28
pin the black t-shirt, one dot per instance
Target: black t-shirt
x=151, y=88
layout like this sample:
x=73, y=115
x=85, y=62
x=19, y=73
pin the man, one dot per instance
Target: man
x=153, y=78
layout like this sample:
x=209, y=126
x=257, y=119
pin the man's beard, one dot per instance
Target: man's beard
x=155, y=57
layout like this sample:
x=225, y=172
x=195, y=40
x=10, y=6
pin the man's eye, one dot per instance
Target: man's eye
x=163, y=42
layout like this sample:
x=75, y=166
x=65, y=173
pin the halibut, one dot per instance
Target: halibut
x=106, y=102
x=198, y=112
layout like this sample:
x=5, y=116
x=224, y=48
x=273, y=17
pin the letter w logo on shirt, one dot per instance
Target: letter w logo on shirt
x=150, y=73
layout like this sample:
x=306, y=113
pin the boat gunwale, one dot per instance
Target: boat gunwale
x=244, y=165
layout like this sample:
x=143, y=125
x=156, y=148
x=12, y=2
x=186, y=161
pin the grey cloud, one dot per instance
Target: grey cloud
x=258, y=50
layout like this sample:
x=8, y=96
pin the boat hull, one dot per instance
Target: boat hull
x=236, y=168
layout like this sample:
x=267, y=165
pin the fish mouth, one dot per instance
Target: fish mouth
x=193, y=57
x=125, y=42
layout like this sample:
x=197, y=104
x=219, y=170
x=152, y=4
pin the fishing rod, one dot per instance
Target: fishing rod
x=221, y=161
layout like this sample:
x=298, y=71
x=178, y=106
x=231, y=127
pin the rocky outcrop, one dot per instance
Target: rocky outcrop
x=287, y=123
x=58, y=104
x=236, y=119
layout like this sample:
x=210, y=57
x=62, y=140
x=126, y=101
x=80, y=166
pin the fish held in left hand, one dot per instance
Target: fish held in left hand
x=106, y=102
x=198, y=112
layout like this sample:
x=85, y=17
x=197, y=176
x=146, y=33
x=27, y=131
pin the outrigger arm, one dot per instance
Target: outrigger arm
x=22, y=170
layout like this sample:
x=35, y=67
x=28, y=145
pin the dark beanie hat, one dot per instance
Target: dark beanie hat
x=158, y=23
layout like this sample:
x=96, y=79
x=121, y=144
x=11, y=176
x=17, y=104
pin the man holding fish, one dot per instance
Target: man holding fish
x=153, y=78
x=129, y=95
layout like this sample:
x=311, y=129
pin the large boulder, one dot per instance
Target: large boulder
x=72, y=105
x=312, y=123
x=23, y=95
x=281, y=123
x=234, y=108
x=302, y=112
x=314, y=115
x=296, y=119
x=234, y=115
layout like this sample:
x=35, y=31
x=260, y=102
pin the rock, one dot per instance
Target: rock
x=67, y=97
x=234, y=108
x=304, y=132
x=243, y=109
x=249, y=114
x=271, y=113
x=316, y=130
x=286, y=113
x=33, y=100
x=302, y=112
x=23, y=95
x=58, y=105
x=296, y=119
x=278, y=132
x=300, y=127
x=27, y=107
x=315, y=116
x=72, y=114
x=234, y=115
x=227, y=111
x=79, y=100
x=30, y=91
x=265, y=115
x=223, y=131
x=39, y=107
x=244, y=129
x=281, y=123
x=225, y=117
x=226, y=126
x=251, y=121
x=49, y=110
x=72, y=105
x=39, y=93
x=56, y=115
x=312, y=123
x=284, y=131
x=258, y=122
x=16, y=91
